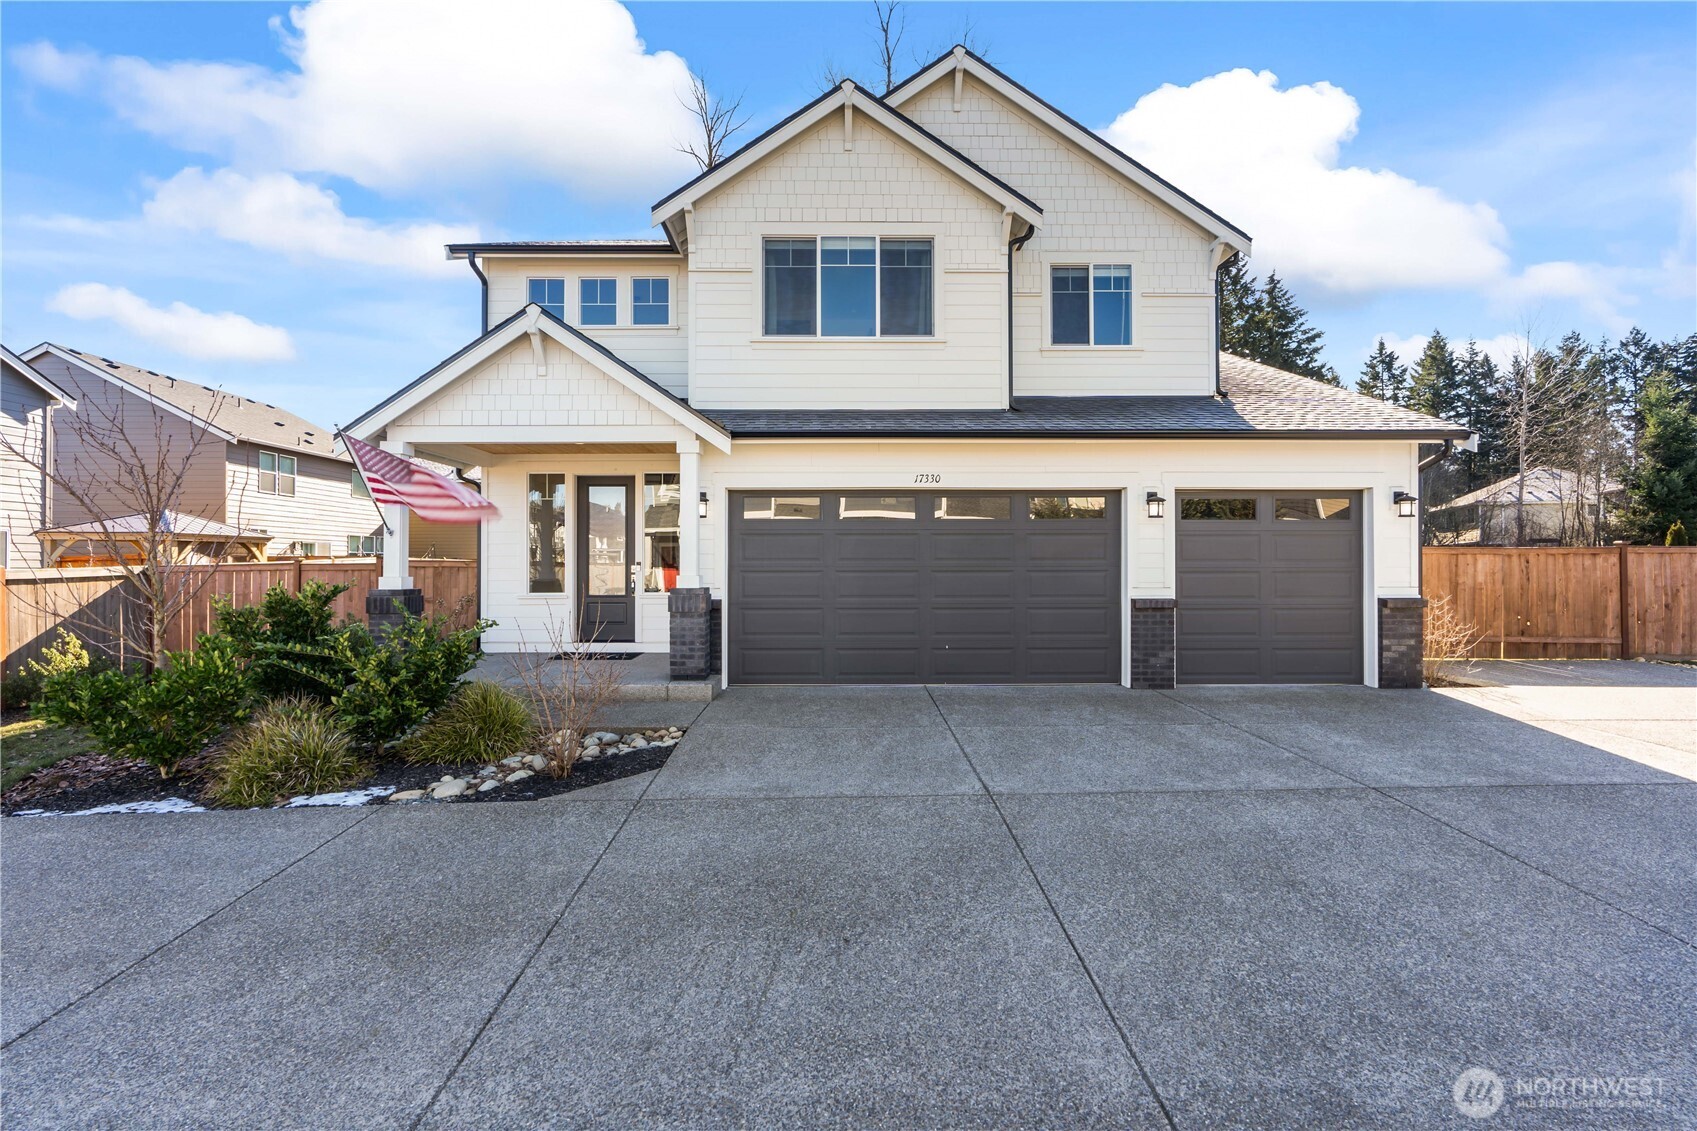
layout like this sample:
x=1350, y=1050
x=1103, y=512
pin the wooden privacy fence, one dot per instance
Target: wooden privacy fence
x=1582, y=603
x=97, y=603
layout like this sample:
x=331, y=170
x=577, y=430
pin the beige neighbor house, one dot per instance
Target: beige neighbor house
x=921, y=388
x=257, y=477
x=27, y=402
x=1550, y=506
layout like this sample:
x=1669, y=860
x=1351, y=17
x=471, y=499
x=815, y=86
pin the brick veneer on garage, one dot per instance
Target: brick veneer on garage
x=1402, y=638
x=692, y=632
x=1153, y=648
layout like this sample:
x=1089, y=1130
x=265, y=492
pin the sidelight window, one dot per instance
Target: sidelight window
x=660, y=497
x=547, y=523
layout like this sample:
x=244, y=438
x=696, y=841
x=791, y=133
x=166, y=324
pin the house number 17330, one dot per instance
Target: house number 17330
x=927, y=477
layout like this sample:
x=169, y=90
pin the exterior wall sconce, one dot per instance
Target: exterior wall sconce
x=1157, y=505
x=1407, y=506
x=701, y=507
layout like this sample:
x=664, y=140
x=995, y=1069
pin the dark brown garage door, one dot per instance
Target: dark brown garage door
x=938, y=587
x=1269, y=587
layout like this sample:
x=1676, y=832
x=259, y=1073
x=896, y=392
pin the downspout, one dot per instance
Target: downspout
x=1219, y=246
x=1014, y=245
x=471, y=258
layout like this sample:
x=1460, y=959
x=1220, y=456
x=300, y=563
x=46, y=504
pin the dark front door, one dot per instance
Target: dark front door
x=605, y=568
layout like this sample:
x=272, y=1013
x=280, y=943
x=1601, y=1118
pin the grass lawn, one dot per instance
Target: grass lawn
x=31, y=745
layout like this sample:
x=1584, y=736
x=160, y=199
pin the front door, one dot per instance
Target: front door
x=607, y=573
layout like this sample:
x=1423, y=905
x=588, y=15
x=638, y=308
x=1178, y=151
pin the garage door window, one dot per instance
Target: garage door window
x=1315, y=509
x=1224, y=510
x=996, y=508
x=881, y=506
x=1068, y=506
x=770, y=507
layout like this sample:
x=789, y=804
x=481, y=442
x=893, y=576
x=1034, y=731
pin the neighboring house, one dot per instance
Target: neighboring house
x=1552, y=507
x=921, y=388
x=246, y=465
x=27, y=403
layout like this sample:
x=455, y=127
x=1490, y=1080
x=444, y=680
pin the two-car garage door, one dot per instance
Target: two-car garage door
x=932, y=587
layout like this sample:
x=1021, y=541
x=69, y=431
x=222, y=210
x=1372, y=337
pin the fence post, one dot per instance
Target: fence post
x=1625, y=603
x=299, y=564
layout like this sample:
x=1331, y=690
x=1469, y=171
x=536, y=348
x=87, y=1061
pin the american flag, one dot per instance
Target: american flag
x=435, y=498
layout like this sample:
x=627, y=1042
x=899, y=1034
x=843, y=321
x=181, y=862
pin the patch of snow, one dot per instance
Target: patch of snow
x=169, y=805
x=346, y=797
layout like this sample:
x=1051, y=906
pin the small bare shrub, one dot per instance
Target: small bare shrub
x=1450, y=641
x=568, y=700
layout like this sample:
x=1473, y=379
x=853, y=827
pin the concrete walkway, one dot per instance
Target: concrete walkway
x=903, y=908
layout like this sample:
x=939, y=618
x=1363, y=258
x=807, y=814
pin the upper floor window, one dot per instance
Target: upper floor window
x=598, y=302
x=651, y=302
x=550, y=295
x=276, y=474
x=359, y=487
x=848, y=287
x=1090, y=305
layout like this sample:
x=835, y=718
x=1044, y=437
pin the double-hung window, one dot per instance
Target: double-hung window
x=1090, y=305
x=651, y=302
x=276, y=474
x=848, y=287
x=550, y=295
x=598, y=302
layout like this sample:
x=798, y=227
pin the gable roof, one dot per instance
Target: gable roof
x=810, y=115
x=229, y=416
x=29, y=373
x=1260, y=402
x=1076, y=132
x=1543, y=485
x=526, y=320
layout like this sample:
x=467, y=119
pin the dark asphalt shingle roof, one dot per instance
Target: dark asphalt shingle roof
x=1259, y=402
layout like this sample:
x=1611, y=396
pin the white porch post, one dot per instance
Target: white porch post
x=689, y=515
x=397, y=541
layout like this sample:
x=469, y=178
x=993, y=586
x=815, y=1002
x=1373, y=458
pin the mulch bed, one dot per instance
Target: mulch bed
x=89, y=780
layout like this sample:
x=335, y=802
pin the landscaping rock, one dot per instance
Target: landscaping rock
x=487, y=786
x=450, y=787
x=515, y=760
x=407, y=795
x=537, y=762
x=518, y=775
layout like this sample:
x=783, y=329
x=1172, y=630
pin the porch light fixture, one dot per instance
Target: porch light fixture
x=701, y=507
x=1406, y=504
x=1157, y=505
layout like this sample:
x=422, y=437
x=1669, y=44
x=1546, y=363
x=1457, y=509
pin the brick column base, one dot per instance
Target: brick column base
x=692, y=633
x=1154, y=650
x=1402, y=641
x=386, y=608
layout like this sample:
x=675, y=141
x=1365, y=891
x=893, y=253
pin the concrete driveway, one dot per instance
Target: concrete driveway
x=906, y=908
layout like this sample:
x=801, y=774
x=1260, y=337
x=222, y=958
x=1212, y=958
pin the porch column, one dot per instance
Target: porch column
x=394, y=594
x=690, y=604
x=689, y=514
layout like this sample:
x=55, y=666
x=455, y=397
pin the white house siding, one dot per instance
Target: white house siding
x=323, y=510
x=23, y=478
x=1378, y=468
x=816, y=187
x=660, y=352
x=1089, y=215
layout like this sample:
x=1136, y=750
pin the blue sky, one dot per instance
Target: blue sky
x=255, y=198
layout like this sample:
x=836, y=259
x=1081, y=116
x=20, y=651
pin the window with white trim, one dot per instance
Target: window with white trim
x=366, y=545
x=1090, y=304
x=651, y=302
x=848, y=287
x=358, y=486
x=550, y=295
x=598, y=302
x=276, y=474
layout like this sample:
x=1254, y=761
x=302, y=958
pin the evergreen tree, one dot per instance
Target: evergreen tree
x=1238, y=303
x=1480, y=408
x=1384, y=376
x=1434, y=385
x=1664, y=484
x=1282, y=336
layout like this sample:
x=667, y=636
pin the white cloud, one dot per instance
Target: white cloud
x=400, y=98
x=279, y=212
x=1267, y=159
x=1593, y=288
x=178, y=327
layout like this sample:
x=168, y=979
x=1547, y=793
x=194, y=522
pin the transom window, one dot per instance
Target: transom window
x=651, y=302
x=276, y=474
x=550, y=295
x=1090, y=305
x=848, y=287
x=598, y=302
x=1217, y=510
x=877, y=506
x=780, y=506
x=1321, y=509
x=997, y=508
x=1068, y=506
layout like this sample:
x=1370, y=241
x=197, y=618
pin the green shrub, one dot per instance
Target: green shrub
x=74, y=687
x=291, y=746
x=395, y=684
x=483, y=722
x=65, y=657
x=19, y=690
x=1676, y=535
x=285, y=639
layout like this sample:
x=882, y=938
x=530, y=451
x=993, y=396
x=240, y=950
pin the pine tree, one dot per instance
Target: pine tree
x=1434, y=384
x=1238, y=304
x=1664, y=484
x=1480, y=408
x=1281, y=334
x=1384, y=376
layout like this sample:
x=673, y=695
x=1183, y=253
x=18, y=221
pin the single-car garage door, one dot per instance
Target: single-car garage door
x=1269, y=587
x=939, y=587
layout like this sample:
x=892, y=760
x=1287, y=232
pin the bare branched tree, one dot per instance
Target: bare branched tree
x=891, y=19
x=126, y=467
x=719, y=120
x=569, y=687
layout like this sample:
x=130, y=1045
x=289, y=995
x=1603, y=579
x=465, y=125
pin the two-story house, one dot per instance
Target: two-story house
x=27, y=401
x=244, y=464
x=922, y=388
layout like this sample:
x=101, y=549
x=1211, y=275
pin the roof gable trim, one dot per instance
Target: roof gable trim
x=29, y=373
x=159, y=402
